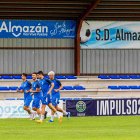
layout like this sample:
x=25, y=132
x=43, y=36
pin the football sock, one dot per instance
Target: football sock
x=65, y=113
x=52, y=117
x=42, y=117
x=57, y=114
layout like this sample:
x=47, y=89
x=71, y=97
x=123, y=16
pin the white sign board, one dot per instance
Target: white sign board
x=110, y=34
x=14, y=109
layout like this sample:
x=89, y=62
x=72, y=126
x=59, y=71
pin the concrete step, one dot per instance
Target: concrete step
x=92, y=83
x=86, y=93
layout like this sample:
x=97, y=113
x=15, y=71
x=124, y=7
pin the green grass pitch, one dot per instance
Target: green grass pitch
x=76, y=128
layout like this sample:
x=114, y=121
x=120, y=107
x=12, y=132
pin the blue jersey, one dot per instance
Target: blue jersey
x=45, y=85
x=57, y=85
x=36, y=85
x=25, y=86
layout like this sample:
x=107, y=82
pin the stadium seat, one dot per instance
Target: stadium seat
x=123, y=87
x=71, y=77
x=134, y=76
x=79, y=88
x=124, y=77
x=60, y=77
x=68, y=88
x=29, y=77
x=20, y=98
x=13, y=88
x=114, y=87
x=63, y=88
x=16, y=77
x=119, y=76
x=20, y=88
x=114, y=77
x=11, y=99
x=6, y=77
x=134, y=87
x=4, y=88
x=103, y=77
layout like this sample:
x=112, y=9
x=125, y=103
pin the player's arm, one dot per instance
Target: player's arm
x=37, y=89
x=20, y=90
x=51, y=88
x=61, y=86
x=30, y=85
x=34, y=91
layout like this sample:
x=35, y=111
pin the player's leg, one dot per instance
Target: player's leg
x=52, y=112
x=52, y=116
x=62, y=111
x=36, y=107
x=49, y=102
x=38, y=112
x=37, y=104
x=26, y=107
x=45, y=115
x=51, y=106
x=55, y=102
x=55, y=112
x=43, y=108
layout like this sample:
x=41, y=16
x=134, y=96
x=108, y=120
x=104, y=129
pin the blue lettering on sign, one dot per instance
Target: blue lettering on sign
x=11, y=110
x=1, y=110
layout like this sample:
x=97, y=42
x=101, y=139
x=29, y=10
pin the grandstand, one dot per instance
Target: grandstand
x=99, y=71
x=93, y=47
x=81, y=86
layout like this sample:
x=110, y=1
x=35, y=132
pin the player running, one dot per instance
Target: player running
x=56, y=95
x=35, y=90
x=46, y=88
x=25, y=87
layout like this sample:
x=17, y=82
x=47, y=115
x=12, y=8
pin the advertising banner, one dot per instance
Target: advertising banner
x=37, y=29
x=104, y=107
x=14, y=109
x=110, y=34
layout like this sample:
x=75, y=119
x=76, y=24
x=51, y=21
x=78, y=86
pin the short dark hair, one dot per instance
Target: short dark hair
x=34, y=73
x=40, y=72
x=24, y=74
